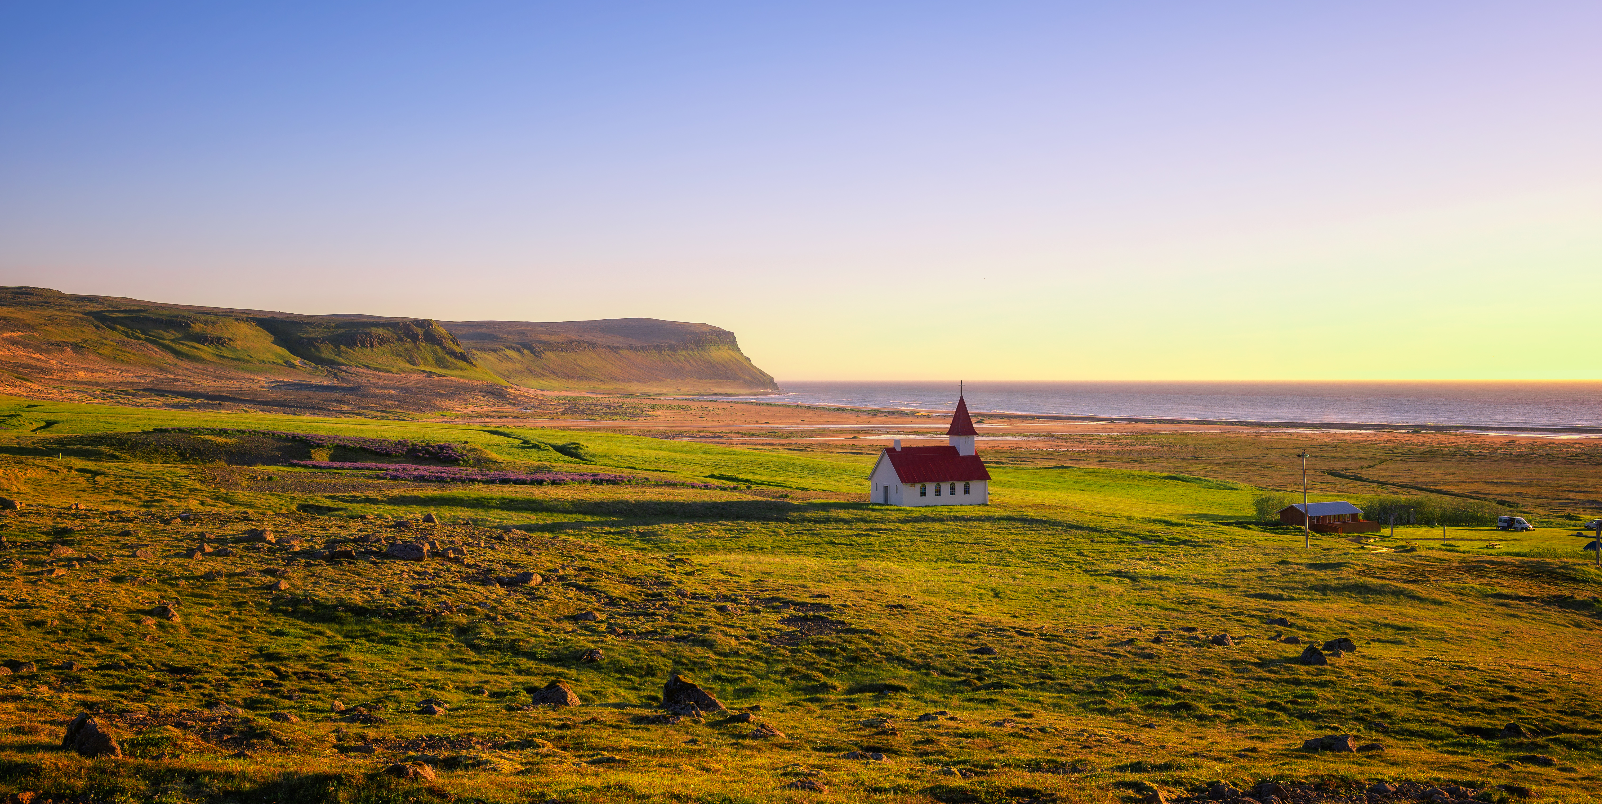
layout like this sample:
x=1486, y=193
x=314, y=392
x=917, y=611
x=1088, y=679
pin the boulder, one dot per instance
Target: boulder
x=340, y=553
x=1514, y=730
x=432, y=708
x=1220, y=791
x=683, y=697
x=224, y=552
x=557, y=693
x=1343, y=644
x=414, y=771
x=1221, y=640
x=587, y=616
x=1381, y=790
x=168, y=612
x=591, y=656
x=408, y=551
x=279, y=585
x=808, y=785
x=429, y=518
x=1159, y=640
x=521, y=579
x=8, y=504
x=1536, y=759
x=1313, y=657
x=85, y=736
x=1279, y=621
x=1341, y=743
x=1267, y=790
x=1291, y=640
x=984, y=650
x=765, y=731
x=262, y=535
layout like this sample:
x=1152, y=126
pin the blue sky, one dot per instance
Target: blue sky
x=897, y=191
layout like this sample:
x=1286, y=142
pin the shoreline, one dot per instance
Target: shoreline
x=1492, y=429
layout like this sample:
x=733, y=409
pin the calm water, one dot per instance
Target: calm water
x=1524, y=405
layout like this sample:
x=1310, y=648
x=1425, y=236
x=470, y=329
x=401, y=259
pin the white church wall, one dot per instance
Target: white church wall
x=884, y=477
x=977, y=494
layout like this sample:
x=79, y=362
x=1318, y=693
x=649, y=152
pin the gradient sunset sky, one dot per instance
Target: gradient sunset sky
x=1042, y=191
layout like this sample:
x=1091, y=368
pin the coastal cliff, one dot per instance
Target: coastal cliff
x=58, y=345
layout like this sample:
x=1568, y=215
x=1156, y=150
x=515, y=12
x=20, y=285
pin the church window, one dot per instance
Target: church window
x=952, y=488
x=966, y=488
x=938, y=489
x=921, y=489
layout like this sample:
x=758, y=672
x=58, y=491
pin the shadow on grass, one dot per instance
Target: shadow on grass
x=761, y=510
x=668, y=511
x=109, y=780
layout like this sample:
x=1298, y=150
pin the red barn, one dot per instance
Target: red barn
x=1330, y=517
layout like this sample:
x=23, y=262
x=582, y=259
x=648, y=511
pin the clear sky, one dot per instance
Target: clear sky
x=922, y=190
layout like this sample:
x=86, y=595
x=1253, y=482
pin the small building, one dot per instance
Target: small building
x=1330, y=517
x=950, y=475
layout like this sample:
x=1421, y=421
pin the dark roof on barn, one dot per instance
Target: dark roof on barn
x=936, y=465
x=961, y=426
x=1327, y=508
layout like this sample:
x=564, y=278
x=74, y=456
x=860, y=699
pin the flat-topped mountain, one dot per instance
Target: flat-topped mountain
x=55, y=344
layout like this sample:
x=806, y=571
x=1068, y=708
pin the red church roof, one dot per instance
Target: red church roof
x=936, y=464
x=961, y=426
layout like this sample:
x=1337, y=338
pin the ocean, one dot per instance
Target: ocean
x=1568, y=406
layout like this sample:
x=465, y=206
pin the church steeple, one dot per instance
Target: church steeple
x=961, y=433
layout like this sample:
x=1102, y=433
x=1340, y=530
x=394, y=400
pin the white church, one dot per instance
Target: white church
x=950, y=475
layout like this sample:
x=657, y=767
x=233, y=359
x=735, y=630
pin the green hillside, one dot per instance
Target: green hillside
x=61, y=340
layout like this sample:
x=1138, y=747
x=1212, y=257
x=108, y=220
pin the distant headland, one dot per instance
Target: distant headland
x=58, y=345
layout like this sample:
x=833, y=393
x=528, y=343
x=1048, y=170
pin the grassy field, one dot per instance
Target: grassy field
x=1062, y=632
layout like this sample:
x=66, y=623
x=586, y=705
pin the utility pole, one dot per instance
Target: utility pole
x=1303, y=459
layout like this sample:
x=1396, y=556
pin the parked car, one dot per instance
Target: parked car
x=1513, y=523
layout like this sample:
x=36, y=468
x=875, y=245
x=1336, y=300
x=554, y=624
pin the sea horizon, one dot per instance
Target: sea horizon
x=1538, y=405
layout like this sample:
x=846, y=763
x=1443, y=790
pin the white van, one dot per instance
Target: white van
x=1513, y=523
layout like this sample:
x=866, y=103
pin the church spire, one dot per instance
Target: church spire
x=961, y=425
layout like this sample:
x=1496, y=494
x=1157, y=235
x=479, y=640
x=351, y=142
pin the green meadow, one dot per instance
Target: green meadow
x=1058, y=641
